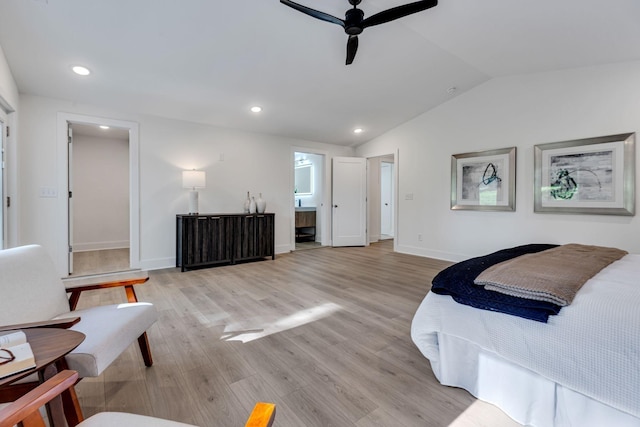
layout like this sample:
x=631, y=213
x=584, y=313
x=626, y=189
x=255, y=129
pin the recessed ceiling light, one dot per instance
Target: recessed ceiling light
x=80, y=70
x=104, y=127
x=256, y=109
x=358, y=130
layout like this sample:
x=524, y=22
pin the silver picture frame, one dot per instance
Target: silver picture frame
x=484, y=180
x=586, y=176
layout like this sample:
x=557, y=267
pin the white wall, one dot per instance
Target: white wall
x=235, y=162
x=516, y=111
x=100, y=193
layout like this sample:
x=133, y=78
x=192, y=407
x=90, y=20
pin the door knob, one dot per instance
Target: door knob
x=335, y=206
x=386, y=204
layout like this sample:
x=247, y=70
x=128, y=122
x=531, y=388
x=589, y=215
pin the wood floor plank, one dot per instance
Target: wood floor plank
x=256, y=389
x=311, y=409
x=323, y=333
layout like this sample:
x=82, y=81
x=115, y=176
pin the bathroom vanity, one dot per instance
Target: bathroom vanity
x=305, y=224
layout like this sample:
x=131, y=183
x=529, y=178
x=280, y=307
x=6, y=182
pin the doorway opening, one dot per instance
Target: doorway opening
x=309, y=193
x=386, y=200
x=381, y=196
x=99, y=206
x=65, y=253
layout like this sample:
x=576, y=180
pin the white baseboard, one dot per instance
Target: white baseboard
x=97, y=246
x=430, y=253
x=284, y=249
x=157, y=264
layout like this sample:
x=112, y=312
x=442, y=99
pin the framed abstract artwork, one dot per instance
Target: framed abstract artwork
x=484, y=180
x=588, y=176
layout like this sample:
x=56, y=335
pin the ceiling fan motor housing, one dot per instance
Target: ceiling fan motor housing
x=353, y=21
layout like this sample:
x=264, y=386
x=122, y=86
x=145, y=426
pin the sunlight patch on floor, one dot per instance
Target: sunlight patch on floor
x=253, y=332
x=483, y=414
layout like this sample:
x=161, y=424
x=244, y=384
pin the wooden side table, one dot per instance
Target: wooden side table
x=49, y=346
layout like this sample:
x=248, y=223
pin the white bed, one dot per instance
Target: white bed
x=582, y=368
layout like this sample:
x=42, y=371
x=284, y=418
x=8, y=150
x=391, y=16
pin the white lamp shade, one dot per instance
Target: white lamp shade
x=193, y=179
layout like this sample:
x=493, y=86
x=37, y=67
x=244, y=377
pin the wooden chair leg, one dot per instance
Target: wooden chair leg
x=73, y=300
x=143, y=341
x=70, y=404
x=54, y=408
x=131, y=294
x=71, y=407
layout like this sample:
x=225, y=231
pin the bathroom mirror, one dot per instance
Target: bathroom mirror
x=304, y=180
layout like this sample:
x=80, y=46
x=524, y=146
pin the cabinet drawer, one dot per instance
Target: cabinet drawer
x=306, y=219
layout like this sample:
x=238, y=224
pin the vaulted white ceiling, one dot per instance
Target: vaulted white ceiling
x=209, y=61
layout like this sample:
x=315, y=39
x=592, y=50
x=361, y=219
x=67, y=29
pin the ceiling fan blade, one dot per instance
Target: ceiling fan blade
x=398, y=12
x=314, y=13
x=352, y=48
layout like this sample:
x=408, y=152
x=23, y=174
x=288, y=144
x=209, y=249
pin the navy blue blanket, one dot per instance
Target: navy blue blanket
x=457, y=281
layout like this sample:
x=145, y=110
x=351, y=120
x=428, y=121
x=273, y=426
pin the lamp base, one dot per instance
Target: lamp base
x=193, y=202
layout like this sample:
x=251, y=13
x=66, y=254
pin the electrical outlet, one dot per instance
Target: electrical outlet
x=408, y=196
x=419, y=237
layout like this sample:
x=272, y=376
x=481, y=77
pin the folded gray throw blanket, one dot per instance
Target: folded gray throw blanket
x=554, y=275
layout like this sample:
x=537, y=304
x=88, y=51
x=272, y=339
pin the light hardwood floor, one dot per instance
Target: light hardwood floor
x=324, y=334
x=101, y=261
x=302, y=246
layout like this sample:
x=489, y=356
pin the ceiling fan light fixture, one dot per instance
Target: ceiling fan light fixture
x=358, y=130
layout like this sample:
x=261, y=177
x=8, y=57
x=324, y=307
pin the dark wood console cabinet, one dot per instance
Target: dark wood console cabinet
x=212, y=239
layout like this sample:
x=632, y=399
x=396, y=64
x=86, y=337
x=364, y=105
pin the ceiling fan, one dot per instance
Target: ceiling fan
x=354, y=22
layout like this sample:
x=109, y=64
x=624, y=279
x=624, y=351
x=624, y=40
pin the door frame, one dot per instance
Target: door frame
x=63, y=184
x=321, y=211
x=396, y=193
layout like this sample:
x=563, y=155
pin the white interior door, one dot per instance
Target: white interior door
x=3, y=205
x=70, y=194
x=349, y=201
x=386, y=198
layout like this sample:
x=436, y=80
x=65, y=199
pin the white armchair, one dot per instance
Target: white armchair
x=26, y=410
x=31, y=291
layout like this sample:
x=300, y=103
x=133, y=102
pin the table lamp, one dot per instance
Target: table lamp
x=193, y=179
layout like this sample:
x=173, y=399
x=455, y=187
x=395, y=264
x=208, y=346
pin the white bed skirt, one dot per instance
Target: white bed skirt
x=526, y=397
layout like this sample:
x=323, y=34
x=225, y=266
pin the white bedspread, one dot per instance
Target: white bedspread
x=592, y=346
